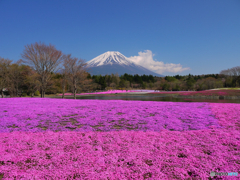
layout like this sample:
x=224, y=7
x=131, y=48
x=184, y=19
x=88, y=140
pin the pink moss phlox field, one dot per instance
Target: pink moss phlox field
x=105, y=92
x=38, y=115
x=203, y=93
x=207, y=93
x=169, y=92
x=126, y=154
x=119, y=155
x=232, y=111
x=214, y=93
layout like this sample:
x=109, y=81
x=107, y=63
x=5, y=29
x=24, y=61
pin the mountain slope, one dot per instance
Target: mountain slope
x=114, y=62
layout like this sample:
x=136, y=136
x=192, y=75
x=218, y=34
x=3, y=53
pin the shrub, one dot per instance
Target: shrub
x=24, y=94
x=37, y=93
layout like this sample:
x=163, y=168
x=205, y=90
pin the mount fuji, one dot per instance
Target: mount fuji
x=114, y=62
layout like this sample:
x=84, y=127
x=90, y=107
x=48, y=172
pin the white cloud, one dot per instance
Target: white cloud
x=146, y=60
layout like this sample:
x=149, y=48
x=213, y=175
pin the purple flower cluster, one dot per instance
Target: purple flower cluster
x=38, y=115
x=105, y=92
x=182, y=140
x=119, y=155
x=208, y=93
x=203, y=93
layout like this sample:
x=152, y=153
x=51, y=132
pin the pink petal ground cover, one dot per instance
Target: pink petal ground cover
x=105, y=92
x=204, y=93
x=214, y=93
x=158, y=153
x=39, y=115
x=210, y=100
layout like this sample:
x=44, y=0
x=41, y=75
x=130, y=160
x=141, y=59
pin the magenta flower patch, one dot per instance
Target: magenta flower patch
x=119, y=155
x=105, y=92
x=228, y=115
x=182, y=140
x=38, y=115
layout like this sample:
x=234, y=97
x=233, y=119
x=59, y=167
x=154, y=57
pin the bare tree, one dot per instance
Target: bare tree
x=64, y=81
x=232, y=76
x=15, y=79
x=235, y=71
x=4, y=73
x=85, y=83
x=115, y=79
x=31, y=81
x=75, y=69
x=44, y=59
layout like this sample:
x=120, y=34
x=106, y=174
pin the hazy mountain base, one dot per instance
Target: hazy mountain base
x=121, y=70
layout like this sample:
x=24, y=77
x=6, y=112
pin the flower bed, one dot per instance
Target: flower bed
x=105, y=92
x=94, y=139
x=203, y=93
x=39, y=115
x=210, y=93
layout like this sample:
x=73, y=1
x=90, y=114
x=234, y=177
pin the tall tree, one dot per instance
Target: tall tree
x=44, y=59
x=4, y=73
x=31, y=81
x=75, y=69
x=63, y=81
x=15, y=79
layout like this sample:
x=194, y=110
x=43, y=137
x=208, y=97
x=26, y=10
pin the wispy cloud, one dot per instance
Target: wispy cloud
x=146, y=60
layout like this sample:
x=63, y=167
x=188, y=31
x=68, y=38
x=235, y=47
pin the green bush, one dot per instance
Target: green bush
x=37, y=93
x=24, y=94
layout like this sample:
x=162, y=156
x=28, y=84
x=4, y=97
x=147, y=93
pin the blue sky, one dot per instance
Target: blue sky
x=176, y=36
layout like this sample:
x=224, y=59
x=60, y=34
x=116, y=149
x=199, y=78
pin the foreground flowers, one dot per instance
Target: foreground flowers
x=169, y=149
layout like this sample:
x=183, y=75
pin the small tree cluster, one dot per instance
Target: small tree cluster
x=74, y=70
x=232, y=76
x=38, y=70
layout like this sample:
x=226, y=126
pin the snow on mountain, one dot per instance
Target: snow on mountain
x=114, y=62
x=110, y=57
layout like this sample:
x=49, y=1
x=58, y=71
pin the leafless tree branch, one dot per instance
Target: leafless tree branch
x=44, y=59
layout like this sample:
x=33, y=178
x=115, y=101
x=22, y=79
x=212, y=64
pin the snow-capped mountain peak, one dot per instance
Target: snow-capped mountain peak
x=109, y=58
x=113, y=62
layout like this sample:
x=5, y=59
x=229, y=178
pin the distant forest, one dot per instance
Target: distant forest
x=167, y=83
x=36, y=73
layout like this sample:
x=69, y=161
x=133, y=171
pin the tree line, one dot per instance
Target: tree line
x=167, y=83
x=45, y=70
